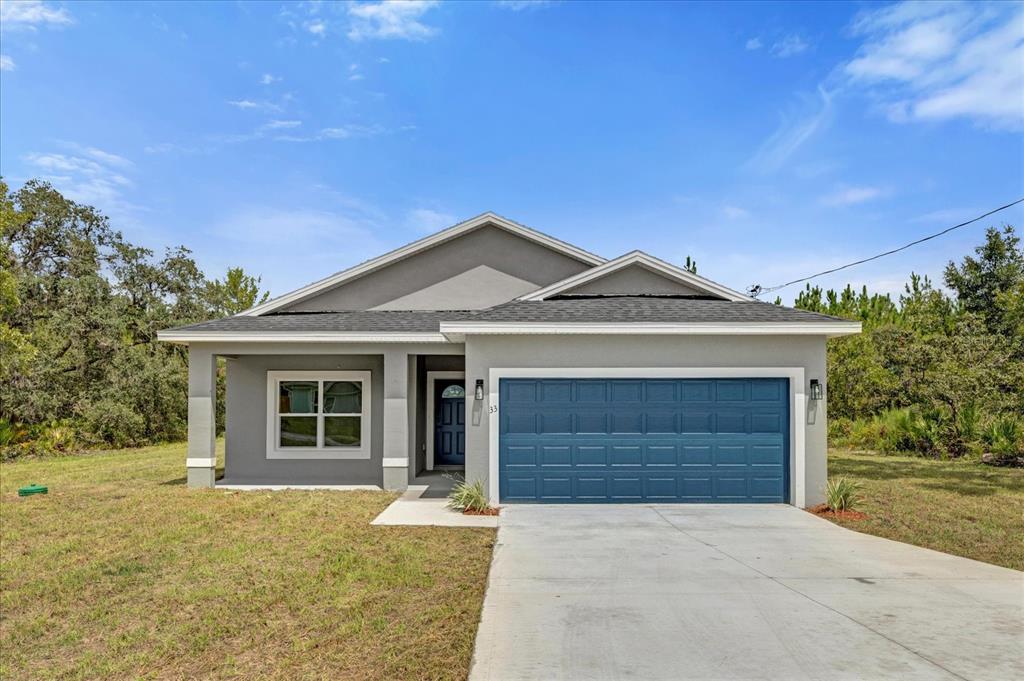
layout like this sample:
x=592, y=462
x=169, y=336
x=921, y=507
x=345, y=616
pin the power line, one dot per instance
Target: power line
x=757, y=290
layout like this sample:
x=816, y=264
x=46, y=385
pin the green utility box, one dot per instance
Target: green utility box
x=29, y=490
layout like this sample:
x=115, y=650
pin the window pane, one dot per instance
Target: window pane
x=342, y=431
x=297, y=397
x=454, y=391
x=298, y=431
x=343, y=397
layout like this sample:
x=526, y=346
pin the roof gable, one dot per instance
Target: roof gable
x=636, y=270
x=295, y=298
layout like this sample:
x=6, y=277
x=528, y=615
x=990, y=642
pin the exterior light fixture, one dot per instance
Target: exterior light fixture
x=478, y=393
x=817, y=392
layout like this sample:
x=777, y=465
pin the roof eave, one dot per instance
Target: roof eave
x=184, y=336
x=457, y=331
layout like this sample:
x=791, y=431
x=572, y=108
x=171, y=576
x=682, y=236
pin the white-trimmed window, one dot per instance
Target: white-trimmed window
x=318, y=414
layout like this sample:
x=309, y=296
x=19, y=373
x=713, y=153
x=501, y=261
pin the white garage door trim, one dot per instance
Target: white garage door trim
x=797, y=406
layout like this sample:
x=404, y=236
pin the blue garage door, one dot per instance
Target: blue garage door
x=644, y=440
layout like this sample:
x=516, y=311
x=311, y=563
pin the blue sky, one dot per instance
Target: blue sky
x=767, y=140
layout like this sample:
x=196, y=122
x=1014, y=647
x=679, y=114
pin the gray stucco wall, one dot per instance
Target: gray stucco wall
x=488, y=246
x=485, y=352
x=634, y=279
x=246, y=459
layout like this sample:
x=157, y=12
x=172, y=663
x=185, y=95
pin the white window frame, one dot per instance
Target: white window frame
x=275, y=451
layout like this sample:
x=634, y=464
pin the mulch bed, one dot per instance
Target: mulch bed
x=826, y=512
x=486, y=511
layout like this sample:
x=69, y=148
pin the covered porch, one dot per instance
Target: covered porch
x=329, y=415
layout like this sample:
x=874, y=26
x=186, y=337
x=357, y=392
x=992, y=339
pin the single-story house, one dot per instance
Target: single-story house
x=545, y=371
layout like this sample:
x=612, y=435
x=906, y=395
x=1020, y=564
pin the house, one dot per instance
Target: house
x=547, y=372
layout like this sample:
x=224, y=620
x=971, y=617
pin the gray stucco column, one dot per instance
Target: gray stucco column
x=202, y=429
x=396, y=420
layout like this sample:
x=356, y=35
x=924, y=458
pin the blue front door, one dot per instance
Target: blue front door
x=449, y=423
x=644, y=440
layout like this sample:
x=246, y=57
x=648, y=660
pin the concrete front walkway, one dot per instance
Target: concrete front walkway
x=735, y=592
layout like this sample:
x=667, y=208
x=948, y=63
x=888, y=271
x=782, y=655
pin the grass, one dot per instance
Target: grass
x=959, y=507
x=122, y=572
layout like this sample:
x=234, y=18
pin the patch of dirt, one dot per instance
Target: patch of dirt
x=486, y=511
x=826, y=512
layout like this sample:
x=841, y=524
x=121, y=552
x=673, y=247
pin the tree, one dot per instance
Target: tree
x=237, y=293
x=997, y=270
x=79, y=312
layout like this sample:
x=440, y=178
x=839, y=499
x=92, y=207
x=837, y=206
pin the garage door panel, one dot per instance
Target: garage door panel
x=696, y=421
x=590, y=455
x=625, y=488
x=634, y=440
x=588, y=422
x=696, y=391
x=661, y=422
x=626, y=455
x=555, y=423
x=766, y=422
x=631, y=423
x=660, y=455
x=662, y=391
x=556, y=455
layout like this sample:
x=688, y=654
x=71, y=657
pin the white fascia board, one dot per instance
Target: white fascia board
x=418, y=246
x=297, y=337
x=657, y=265
x=457, y=331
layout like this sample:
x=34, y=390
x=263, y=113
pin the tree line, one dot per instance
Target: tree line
x=938, y=372
x=79, y=310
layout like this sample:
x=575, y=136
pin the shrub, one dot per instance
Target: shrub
x=842, y=494
x=467, y=496
x=113, y=423
x=58, y=437
x=1004, y=438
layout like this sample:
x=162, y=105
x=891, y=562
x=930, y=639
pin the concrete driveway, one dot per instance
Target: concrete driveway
x=735, y=592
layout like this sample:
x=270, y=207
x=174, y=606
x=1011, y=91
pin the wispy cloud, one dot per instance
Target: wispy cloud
x=30, y=14
x=520, y=5
x=261, y=105
x=754, y=44
x=6, y=63
x=796, y=128
x=937, y=61
x=90, y=175
x=351, y=130
x=789, y=46
x=390, y=19
x=428, y=220
x=317, y=27
x=849, y=196
x=735, y=212
x=269, y=79
x=281, y=125
x=354, y=73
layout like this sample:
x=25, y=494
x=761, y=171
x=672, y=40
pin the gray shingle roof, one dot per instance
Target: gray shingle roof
x=393, y=321
x=600, y=309
x=613, y=309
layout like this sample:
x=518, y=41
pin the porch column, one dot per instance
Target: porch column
x=396, y=420
x=202, y=430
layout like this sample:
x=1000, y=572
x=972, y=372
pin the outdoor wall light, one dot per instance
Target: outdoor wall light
x=817, y=392
x=478, y=393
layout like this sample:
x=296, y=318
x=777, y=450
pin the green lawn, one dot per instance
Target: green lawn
x=960, y=507
x=122, y=572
